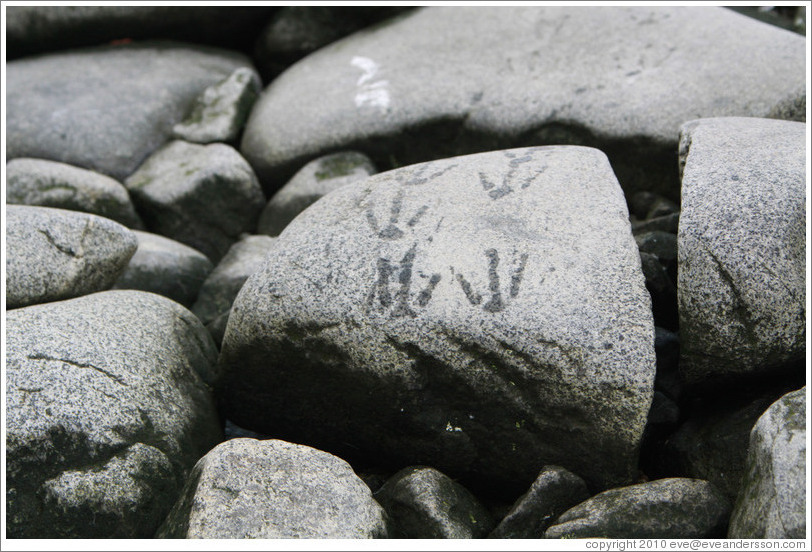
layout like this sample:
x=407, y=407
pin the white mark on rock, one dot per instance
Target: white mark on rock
x=449, y=427
x=370, y=93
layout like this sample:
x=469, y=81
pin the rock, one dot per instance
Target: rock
x=226, y=280
x=423, y=503
x=666, y=347
x=121, y=109
x=712, y=443
x=742, y=260
x=220, y=112
x=33, y=29
x=662, y=245
x=662, y=207
x=203, y=196
x=54, y=254
x=107, y=411
x=51, y=184
x=676, y=508
x=772, y=497
x=296, y=31
x=311, y=183
x=165, y=267
x=245, y=488
x=554, y=491
x=485, y=315
x=217, y=327
x=445, y=81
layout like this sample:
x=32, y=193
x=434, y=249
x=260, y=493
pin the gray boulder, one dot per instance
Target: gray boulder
x=220, y=112
x=121, y=109
x=54, y=254
x=485, y=315
x=675, y=508
x=226, y=280
x=712, y=443
x=444, y=81
x=554, y=491
x=33, y=29
x=52, y=184
x=296, y=31
x=165, y=267
x=203, y=196
x=245, y=488
x=313, y=181
x=107, y=411
x=423, y=503
x=742, y=248
x=772, y=498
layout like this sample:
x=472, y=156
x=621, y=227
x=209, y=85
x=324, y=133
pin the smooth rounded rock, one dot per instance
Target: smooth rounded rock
x=772, y=498
x=313, y=181
x=107, y=411
x=204, y=196
x=165, y=267
x=445, y=81
x=485, y=315
x=677, y=508
x=54, y=254
x=51, y=184
x=107, y=108
x=554, y=491
x=245, y=488
x=423, y=503
x=221, y=287
x=742, y=249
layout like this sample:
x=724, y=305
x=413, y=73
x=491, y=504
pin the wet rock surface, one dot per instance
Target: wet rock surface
x=570, y=341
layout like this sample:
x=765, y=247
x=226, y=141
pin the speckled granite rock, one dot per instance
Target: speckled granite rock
x=675, y=508
x=245, y=488
x=444, y=81
x=121, y=109
x=742, y=249
x=423, y=503
x=107, y=411
x=485, y=315
x=54, y=254
x=772, y=498
x=51, y=184
x=202, y=196
x=165, y=267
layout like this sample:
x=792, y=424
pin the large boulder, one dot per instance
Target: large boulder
x=54, y=254
x=742, y=249
x=485, y=315
x=205, y=196
x=245, y=488
x=677, y=508
x=51, y=184
x=107, y=108
x=165, y=267
x=423, y=503
x=445, y=81
x=772, y=498
x=107, y=411
x=33, y=29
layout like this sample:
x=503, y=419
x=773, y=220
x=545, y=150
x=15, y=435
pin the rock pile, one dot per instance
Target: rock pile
x=503, y=272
